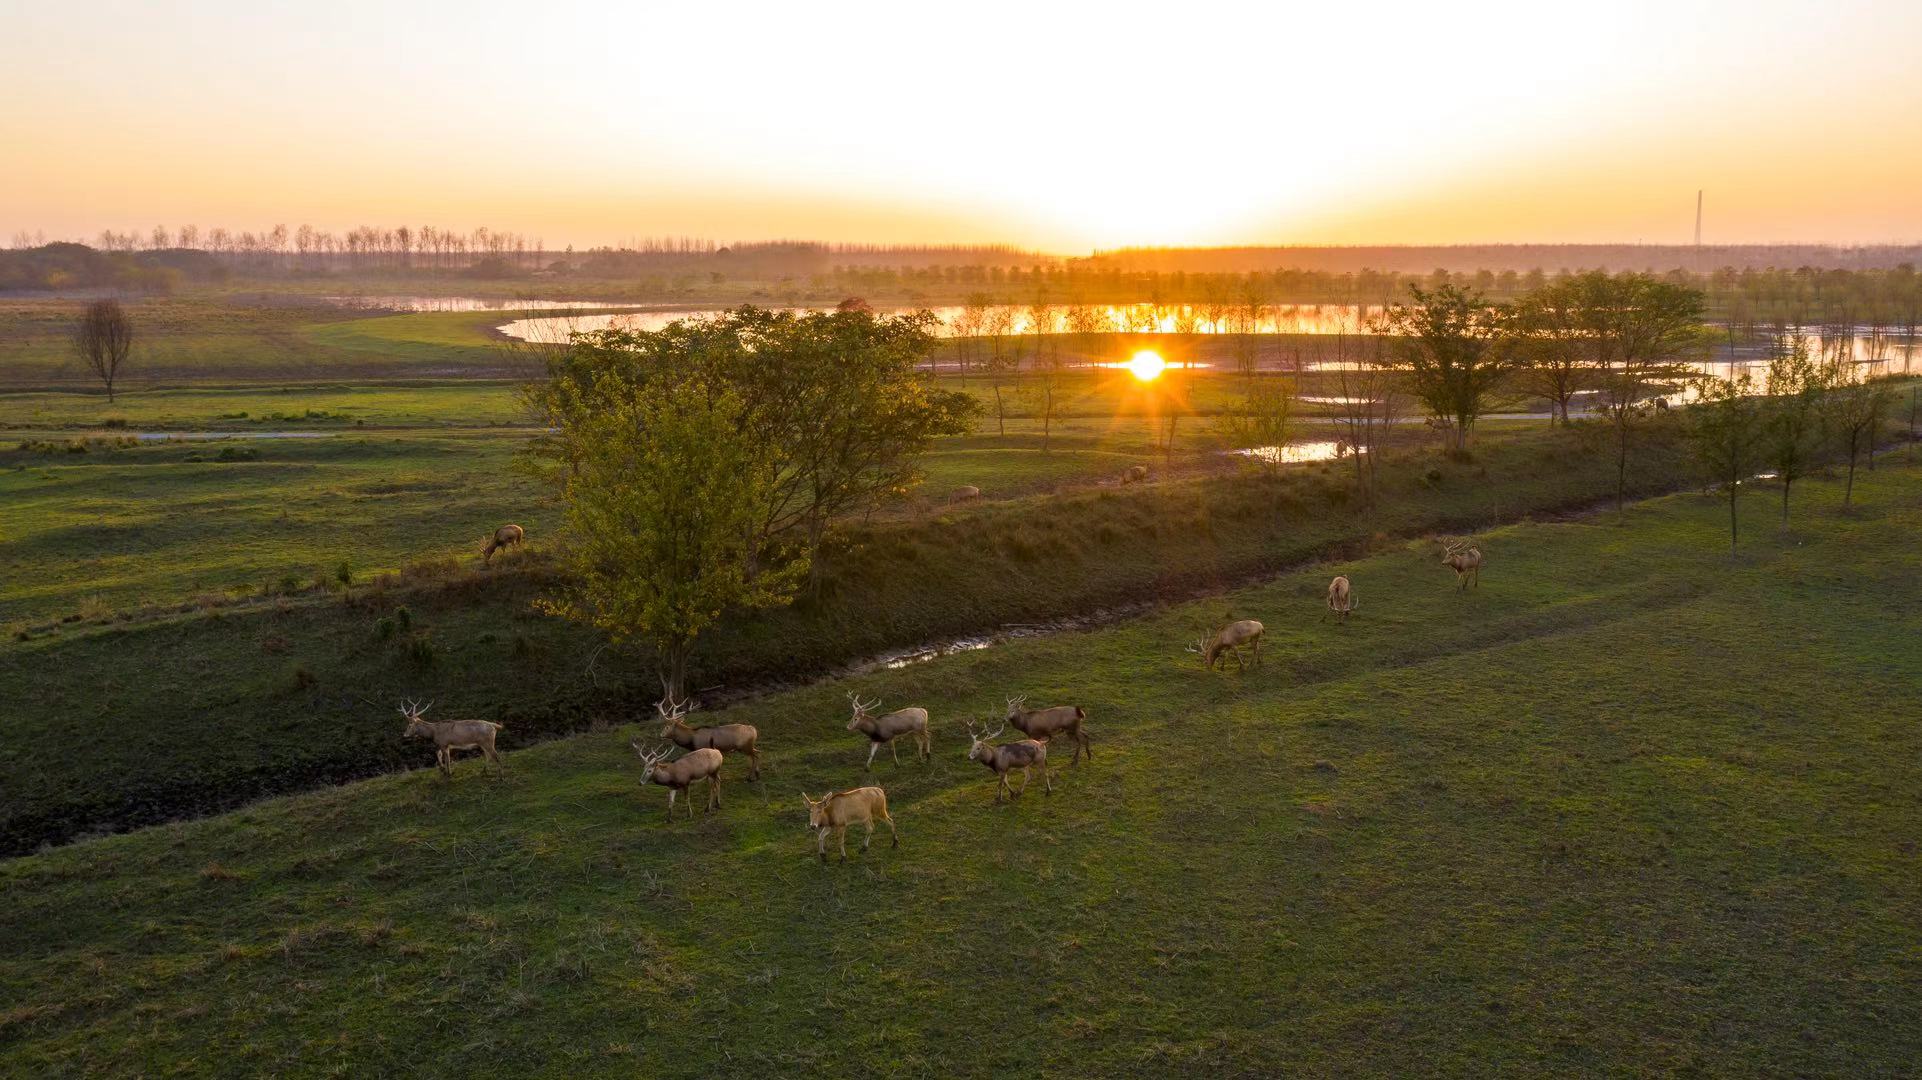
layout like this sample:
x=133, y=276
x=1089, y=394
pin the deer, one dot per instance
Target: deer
x=964, y=493
x=504, y=537
x=1002, y=760
x=1230, y=639
x=1464, y=560
x=1045, y=724
x=727, y=738
x=1134, y=474
x=1341, y=599
x=887, y=728
x=681, y=773
x=838, y=809
x=450, y=735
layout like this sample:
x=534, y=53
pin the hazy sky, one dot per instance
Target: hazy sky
x=1062, y=127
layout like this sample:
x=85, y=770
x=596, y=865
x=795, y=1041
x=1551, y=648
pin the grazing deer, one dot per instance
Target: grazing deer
x=1045, y=724
x=504, y=537
x=1230, y=639
x=964, y=493
x=838, y=809
x=681, y=773
x=450, y=735
x=1341, y=599
x=727, y=738
x=1002, y=760
x=1465, y=561
x=1134, y=474
x=886, y=729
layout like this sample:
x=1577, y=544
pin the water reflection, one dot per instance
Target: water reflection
x=462, y=303
x=1297, y=453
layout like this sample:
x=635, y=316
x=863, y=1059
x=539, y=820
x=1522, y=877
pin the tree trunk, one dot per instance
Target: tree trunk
x=1621, y=464
x=1734, y=488
x=674, y=669
x=1848, y=490
x=1785, y=500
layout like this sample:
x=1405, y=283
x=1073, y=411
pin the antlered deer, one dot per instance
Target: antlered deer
x=1465, y=561
x=1134, y=474
x=1341, y=599
x=1045, y=724
x=678, y=775
x=450, y=735
x=838, y=809
x=504, y=537
x=1230, y=639
x=727, y=738
x=885, y=729
x=1002, y=760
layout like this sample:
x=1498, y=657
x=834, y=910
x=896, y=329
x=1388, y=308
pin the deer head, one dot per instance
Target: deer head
x=862, y=710
x=411, y=710
x=981, y=747
x=817, y=810
x=1014, y=706
x=671, y=714
x=650, y=761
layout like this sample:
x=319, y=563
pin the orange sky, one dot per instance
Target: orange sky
x=1060, y=127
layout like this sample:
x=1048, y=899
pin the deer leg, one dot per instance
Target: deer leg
x=868, y=838
x=1002, y=788
x=1257, y=652
x=714, y=792
x=895, y=835
x=873, y=749
x=1047, y=784
x=1025, y=777
x=844, y=843
x=754, y=764
x=670, y=803
x=821, y=843
x=894, y=749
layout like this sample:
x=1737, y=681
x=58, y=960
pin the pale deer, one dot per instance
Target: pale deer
x=1465, y=561
x=1045, y=724
x=678, y=775
x=727, y=738
x=1230, y=639
x=450, y=735
x=964, y=493
x=504, y=537
x=1134, y=474
x=1002, y=760
x=885, y=729
x=1341, y=599
x=836, y=810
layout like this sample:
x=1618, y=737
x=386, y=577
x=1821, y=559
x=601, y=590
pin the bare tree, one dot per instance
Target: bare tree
x=103, y=340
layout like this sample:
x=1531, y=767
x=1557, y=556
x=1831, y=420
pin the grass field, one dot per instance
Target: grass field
x=1629, y=807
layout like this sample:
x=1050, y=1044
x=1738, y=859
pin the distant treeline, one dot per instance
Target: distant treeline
x=77, y=266
x=1648, y=258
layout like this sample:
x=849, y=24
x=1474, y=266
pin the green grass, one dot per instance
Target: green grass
x=268, y=408
x=1629, y=808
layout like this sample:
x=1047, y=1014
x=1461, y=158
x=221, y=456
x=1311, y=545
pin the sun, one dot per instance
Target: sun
x=1147, y=365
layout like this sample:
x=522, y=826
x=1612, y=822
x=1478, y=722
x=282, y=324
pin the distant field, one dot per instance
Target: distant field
x=1628, y=807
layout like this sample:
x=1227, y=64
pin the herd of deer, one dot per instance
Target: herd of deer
x=706, y=747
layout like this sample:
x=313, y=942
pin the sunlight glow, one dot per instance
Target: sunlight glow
x=1147, y=365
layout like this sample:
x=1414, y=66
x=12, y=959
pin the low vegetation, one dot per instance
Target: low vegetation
x=1628, y=805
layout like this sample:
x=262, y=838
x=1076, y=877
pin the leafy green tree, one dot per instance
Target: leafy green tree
x=1852, y=410
x=1456, y=350
x=1557, y=351
x=1791, y=426
x=1725, y=430
x=1644, y=330
x=663, y=507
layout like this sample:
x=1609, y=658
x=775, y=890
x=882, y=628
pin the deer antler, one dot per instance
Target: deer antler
x=669, y=710
x=1017, y=702
x=996, y=731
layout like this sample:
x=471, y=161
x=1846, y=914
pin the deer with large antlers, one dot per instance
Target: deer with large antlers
x=681, y=773
x=1341, y=599
x=887, y=728
x=1002, y=760
x=727, y=738
x=1230, y=639
x=504, y=537
x=450, y=735
x=1046, y=724
x=836, y=810
x=1464, y=560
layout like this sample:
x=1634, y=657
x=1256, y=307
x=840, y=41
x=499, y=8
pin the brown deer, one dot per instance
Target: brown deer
x=1045, y=724
x=1002, y=760
x=1341, y=599
x=450, y=735
x=886, y=729
x=1230, y=639
x=836, y=810
x=1465, y=561
x=678, y=775
x=727, y=738
x=504, y=537
x=1134, y=474
x=964, y=493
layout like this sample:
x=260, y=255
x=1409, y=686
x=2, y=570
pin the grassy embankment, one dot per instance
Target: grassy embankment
x=286, y=693
x=1630, y=807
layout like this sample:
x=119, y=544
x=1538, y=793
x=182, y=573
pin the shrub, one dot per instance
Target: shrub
x=344, y=573
x=303, y=678
x=237, y=453
x=113, y=422
x=383, y=628
x=403, y=618
x=420, y=650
